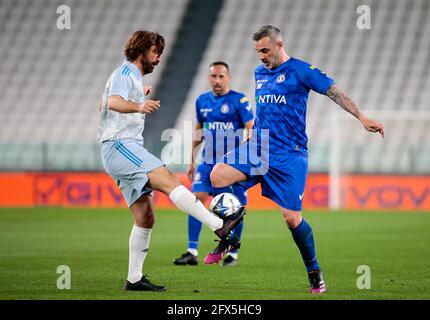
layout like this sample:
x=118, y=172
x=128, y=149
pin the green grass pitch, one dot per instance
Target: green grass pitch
x=94, y=244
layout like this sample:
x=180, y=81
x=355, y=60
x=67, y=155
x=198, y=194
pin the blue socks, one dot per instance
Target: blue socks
x=304, y=239
x=238, y=230
x=194, y=227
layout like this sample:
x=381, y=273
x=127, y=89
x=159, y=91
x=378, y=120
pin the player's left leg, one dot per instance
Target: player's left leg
x=135, y=169
x=285, y=184
x=163, y=180
x=201, y=187
x=194, y=228
x=304, y=239
x=140, y=236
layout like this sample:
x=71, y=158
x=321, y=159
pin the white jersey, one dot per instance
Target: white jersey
x=125, y=81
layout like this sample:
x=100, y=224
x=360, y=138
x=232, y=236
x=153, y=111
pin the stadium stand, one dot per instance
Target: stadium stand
x=52, y=79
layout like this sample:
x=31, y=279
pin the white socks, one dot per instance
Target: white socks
x=194, y=252
x=233, y=255
x=187, y=202
x=139, y=237
x=138, y=247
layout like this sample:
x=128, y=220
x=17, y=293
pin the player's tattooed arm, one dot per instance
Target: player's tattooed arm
x=342, y=99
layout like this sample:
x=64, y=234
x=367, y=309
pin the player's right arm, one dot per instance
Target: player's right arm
x=120, y=86
x=248, y=130
x=247, y=117
x=318, y=81
x=197, y=140
x=343, y=100
x=119, y=104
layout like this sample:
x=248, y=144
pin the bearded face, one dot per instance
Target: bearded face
x=147, y=65
x=150, y=60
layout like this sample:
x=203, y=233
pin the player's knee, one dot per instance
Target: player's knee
x=217, y=177
x=292, y=219
x=170, y=182
x=146, y=221
x=173, y=181
x=149, y=220
x=163, y=180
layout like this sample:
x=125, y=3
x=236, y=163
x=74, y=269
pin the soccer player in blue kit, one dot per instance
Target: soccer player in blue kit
x=219, y=112
x=283, y=84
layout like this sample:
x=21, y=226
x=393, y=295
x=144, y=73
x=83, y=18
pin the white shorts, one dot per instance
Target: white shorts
x=128, y=163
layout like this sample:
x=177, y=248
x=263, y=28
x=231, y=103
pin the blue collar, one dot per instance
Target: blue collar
x=133, y=68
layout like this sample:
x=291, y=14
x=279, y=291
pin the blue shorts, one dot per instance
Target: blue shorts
x=128, y=163
x=282, y=177
x=202, y=182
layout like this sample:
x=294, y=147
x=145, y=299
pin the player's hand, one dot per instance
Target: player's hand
x=148, y=106
x=190, y=172
x=372, y=125
x=147, y=90
x=248, y=135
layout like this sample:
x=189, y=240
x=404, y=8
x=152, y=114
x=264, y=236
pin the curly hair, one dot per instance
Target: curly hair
x=140, y=41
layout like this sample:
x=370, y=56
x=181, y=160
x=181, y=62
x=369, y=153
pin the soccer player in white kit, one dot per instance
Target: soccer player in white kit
x=136, y=171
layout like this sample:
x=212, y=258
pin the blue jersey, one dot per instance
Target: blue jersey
x=281, y=97
x=221, y=118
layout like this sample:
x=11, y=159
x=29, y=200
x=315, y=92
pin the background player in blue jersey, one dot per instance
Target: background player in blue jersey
x=283, y=84
x=218, y=112
x=136, y=171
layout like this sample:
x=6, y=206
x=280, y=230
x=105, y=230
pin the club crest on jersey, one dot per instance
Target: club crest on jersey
x=197, y=176
x=280, y=78
x=225, y=108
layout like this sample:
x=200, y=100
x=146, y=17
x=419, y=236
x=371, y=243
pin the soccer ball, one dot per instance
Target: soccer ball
x=224, y=205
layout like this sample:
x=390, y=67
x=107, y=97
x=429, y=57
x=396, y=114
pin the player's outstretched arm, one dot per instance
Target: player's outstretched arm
x=119, y=104
x=341, y=98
